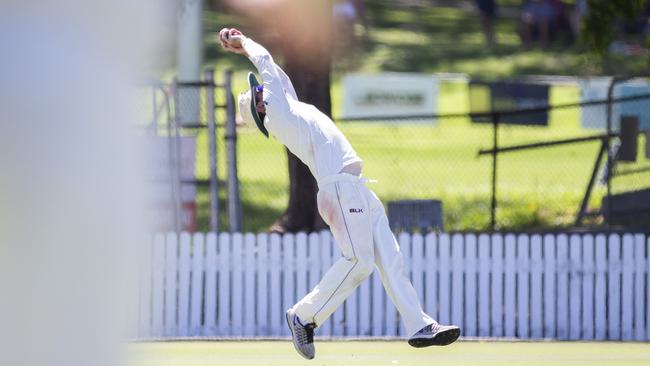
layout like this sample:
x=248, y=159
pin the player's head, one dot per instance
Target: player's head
x=259, y=100
x=251, y=104
x=245, y=111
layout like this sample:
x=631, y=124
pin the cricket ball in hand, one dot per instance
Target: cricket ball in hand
x=223, y=36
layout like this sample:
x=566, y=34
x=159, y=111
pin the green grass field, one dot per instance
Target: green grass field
x=377, y=353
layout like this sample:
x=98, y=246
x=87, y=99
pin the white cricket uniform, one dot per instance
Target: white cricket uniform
x=354, y=213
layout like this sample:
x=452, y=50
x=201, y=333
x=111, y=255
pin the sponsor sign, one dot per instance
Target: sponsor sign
x=595, y=89
x=389, y=95
x=508, y=96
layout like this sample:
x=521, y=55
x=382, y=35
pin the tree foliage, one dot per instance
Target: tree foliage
x=601, y=22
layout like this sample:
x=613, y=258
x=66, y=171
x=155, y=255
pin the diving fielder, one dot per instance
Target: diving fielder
x=354, y=213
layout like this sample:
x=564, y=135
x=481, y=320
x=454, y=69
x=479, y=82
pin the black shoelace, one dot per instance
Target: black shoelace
x=306, y=336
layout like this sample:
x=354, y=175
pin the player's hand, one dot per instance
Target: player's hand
x=231, y=40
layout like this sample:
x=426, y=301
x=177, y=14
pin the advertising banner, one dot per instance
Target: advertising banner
x=595, y=89
x=508, y=96
x=389, y=95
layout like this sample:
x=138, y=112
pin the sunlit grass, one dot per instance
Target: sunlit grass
x=350, y=353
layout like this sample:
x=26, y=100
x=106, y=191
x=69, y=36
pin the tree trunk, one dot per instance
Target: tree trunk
x=302, y=30
x=302, y=212
x=305, y=32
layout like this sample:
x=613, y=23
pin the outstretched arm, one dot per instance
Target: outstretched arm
x=234, y=41
x=286, y=82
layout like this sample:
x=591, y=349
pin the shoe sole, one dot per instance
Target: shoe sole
x=286, y=316
x=442, y=338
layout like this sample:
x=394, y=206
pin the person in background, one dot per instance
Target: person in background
x=535, y=19
x=350, y=23
x=487, y=11
x=579, y=12
x=545, y=20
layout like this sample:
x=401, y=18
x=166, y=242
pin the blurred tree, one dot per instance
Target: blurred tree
x=600, y=23
x=302, y=32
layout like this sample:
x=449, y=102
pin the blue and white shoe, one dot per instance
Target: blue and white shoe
x=435, y=335
x=303, y=335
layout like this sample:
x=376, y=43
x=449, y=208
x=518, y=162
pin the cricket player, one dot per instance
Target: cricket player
x=354, y=213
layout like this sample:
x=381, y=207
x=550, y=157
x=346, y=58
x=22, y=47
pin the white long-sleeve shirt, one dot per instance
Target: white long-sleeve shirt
x=302, y=128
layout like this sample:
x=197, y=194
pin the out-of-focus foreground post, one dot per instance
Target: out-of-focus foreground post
x=71, y=221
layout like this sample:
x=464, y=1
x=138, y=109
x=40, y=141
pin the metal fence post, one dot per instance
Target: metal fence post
x=610, y=165
x=234, y=203
x=174, y=158
x=495, y=146
x=590, y=185
x=212, y=142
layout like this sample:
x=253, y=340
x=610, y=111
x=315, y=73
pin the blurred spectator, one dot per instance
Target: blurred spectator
x=579, y=12
x=632, y=34
x=487, y=11
x=638, y=25
x=535, y=18
x=543, y=20
x=347, y=14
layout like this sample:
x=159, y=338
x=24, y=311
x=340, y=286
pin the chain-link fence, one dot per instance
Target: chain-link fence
x=538, y=180
x=501, y=164
x=556, y=175
x=191, y=127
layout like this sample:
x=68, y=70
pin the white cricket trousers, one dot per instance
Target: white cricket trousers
x=359, y=224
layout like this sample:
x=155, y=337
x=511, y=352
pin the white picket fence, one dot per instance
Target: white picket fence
x=558, y=286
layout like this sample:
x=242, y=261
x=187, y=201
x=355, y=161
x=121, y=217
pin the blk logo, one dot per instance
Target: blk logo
x=356, y=210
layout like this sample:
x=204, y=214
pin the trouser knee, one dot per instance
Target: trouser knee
x=362, y=269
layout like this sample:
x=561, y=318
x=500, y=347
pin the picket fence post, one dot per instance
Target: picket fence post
x=496, y=290
x=536, y=289
x=484, y=277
